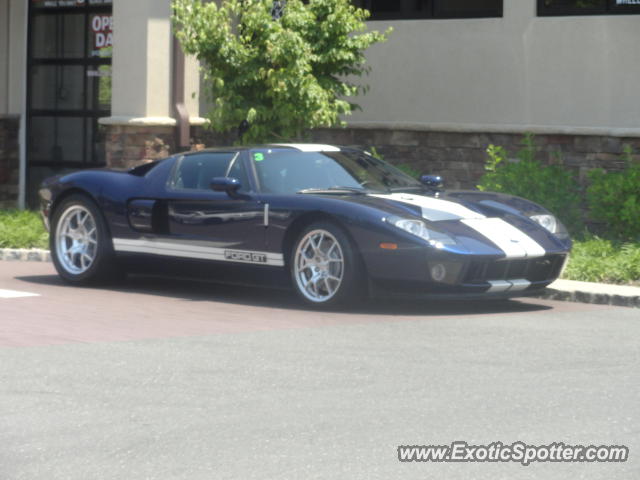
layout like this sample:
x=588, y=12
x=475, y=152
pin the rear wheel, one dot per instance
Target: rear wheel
x=324, y=267
x=81, y=249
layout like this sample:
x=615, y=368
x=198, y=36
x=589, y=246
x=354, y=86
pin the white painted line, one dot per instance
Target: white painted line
x=15, y=294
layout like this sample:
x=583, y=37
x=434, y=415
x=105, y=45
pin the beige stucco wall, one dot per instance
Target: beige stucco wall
x=142, y=75
x=562, y=73
x=12, y=56
x=515, y=72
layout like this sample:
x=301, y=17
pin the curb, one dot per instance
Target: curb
x=594, y=293
x=25, y=255
x=592, y=298
x=562, y=290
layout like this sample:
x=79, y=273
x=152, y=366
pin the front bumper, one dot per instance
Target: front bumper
x=446, y=274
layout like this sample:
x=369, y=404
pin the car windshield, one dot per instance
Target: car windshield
x=287, y=171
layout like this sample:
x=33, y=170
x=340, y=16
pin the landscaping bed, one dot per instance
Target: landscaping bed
x=22, y=229
x=604, y=261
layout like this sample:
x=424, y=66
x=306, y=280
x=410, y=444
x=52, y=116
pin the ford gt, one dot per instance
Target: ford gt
x=333, y=223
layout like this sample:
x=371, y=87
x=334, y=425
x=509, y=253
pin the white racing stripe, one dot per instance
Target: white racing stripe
x=434, y=209
x=16, y=294
x=512, y=241
x=186, y=250
x=499, y=286
x=308, y=147
x=508, y=285
x=520, y=284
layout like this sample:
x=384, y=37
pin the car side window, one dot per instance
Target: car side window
x=238, y=170
x=194, y=172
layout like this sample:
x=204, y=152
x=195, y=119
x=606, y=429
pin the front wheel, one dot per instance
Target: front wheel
x=324, y=266
x=81, y=249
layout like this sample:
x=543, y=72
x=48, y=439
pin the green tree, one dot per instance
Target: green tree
x=282, y=70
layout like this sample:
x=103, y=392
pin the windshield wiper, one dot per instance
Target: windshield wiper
x=358, y=191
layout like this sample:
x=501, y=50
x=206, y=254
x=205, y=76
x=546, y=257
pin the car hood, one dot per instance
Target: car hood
x=431, y=208
x=475, y=217
x=450, y=205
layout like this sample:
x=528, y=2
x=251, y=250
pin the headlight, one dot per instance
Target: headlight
x=419, y=229
x=552, y=224
x=547, y=221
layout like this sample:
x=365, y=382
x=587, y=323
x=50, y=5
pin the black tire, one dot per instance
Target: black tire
x=75, y=267
x=350, y=289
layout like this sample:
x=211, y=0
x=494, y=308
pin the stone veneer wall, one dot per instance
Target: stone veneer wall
x=131, y=145
x=457, y=156
x=460, y=157
x=9, y=161
x=128, y=146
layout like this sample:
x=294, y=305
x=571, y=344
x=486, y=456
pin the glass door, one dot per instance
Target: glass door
x=69, y=86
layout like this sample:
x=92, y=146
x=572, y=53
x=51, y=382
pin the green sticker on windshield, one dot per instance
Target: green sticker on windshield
x=258, y=157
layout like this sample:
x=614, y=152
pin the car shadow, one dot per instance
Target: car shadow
x=285, y=298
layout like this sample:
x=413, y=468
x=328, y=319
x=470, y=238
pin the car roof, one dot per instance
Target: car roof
x=302, y=147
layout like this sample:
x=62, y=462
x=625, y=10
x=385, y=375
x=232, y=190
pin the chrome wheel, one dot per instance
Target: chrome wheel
x=319, y=266
x=76, y=239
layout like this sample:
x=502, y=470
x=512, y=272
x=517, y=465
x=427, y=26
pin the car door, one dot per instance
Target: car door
x=206, y=224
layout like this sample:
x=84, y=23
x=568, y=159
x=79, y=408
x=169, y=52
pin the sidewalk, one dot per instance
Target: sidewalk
x=565, y=290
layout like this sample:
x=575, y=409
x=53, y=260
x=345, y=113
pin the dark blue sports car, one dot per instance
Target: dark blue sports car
x=335, y=223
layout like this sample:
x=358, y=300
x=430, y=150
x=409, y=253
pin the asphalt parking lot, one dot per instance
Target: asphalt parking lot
x=171, y=379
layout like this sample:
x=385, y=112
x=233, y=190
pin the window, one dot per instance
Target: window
x=195, y=172
x=587, y=7
x=68, y=86
x=287, y=171
x=467, y=8
x=418, y=9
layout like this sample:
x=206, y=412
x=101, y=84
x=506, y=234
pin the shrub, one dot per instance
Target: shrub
x=22, y=229
x=614, y=197
x=552, y=186
x=599, y=260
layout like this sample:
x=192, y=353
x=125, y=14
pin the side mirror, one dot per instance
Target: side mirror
x=433, y=181
x=226, y=184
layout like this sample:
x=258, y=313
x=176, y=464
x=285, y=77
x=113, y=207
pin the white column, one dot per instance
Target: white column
x=142, y=62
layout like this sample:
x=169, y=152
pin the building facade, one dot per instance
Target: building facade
x=86, y=83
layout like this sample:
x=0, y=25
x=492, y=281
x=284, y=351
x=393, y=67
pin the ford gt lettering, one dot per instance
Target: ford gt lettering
x=248, y=257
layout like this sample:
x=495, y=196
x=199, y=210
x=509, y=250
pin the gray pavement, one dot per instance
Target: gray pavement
x=167, y=379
